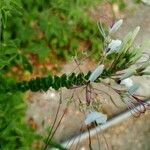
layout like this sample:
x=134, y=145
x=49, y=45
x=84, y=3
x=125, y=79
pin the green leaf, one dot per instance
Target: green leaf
x=9, y=47
x=26, y=64
x=40, y=49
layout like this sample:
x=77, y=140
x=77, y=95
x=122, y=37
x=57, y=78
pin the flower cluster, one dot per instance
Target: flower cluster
x=122, y=48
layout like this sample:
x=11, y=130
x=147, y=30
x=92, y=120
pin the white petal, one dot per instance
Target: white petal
x=96, y=73
x=116, y=26
x=127, y=82
x=98, y=117
x=114, y=44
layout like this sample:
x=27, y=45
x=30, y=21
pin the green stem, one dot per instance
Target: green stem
x=55, y=82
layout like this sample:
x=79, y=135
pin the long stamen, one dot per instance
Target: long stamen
x=71, y=142
x=87, y=95
x=51, y=129
x=107, y=145
x=78, y=144
x=131, y=106
x=78, y=64
x=90, y=92
x=58, y=125
x=90, y=141
x=97, y=135
x=102, y=91
x=141, y=102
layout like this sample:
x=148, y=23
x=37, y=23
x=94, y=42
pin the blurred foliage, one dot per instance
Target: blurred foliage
x=121, y=3
x=41, y=27
x=44, y=28
x=15, y=133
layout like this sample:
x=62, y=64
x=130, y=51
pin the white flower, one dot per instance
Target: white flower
x=96, y=73
x=114, y=46
x=116, y=26
x=127, y=82
x=97, y=117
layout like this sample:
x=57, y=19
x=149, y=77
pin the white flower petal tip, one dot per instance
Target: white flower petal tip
x=97, y=117
x=96, y=73
x=114, y=46
x=135, y=32
x=127, y=82
x=137, y=29
x=116, y=26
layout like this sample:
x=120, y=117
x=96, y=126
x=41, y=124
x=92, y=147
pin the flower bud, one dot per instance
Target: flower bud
x=114, y=46
x=96, y=73
x=116, y=26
